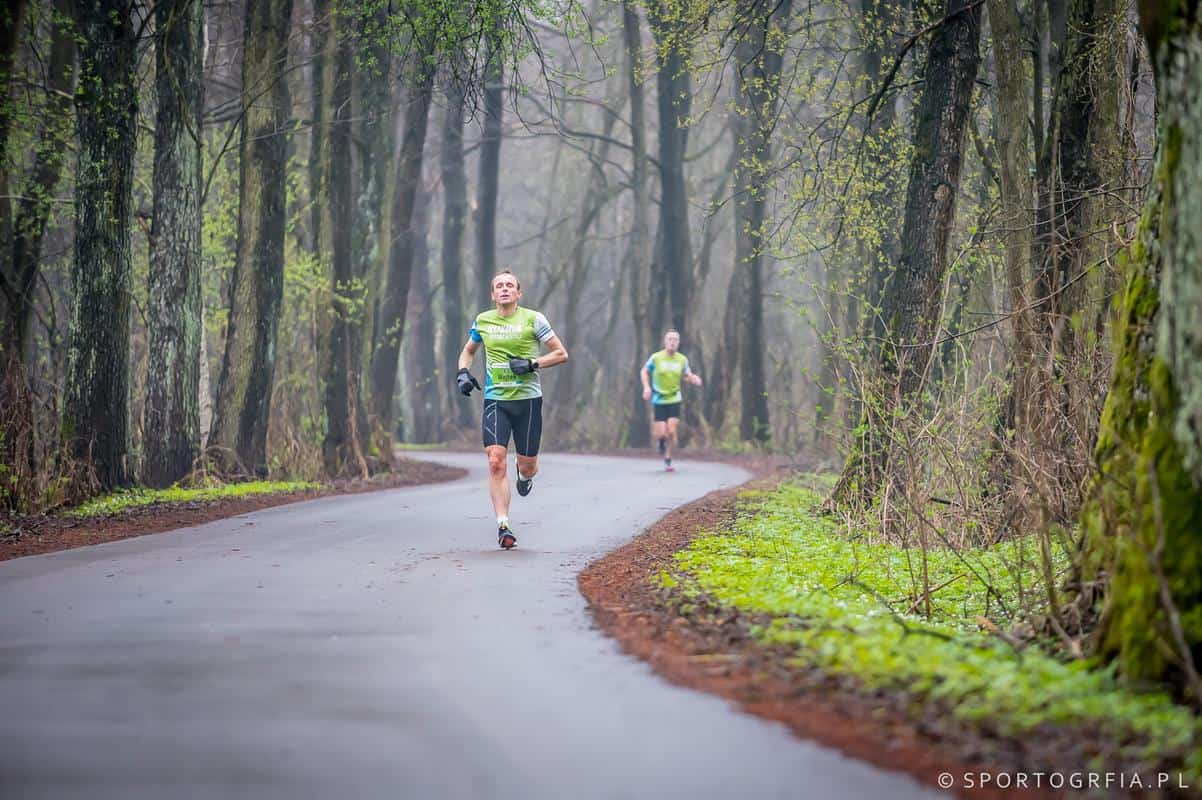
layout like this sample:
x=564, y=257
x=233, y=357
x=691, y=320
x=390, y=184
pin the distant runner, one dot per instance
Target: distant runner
x=662, y=375
x=513, y=395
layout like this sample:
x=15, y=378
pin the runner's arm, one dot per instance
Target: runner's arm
x=690, y=376
x=556, y=353
x=468, y=354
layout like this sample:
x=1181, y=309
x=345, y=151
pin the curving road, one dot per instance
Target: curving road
x=375, y=646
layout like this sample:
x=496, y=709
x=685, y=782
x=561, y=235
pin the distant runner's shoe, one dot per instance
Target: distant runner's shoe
x=524, y=484
x=505, y=538
x=668, y=466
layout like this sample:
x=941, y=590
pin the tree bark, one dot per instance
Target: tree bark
x=490, y=168
x=384, y=364
x=1080, y=168
x=12, y=15
x=675, y=93
x=19, y=277
x=638, y=427
x=1142, y=520
x=912, y=300
x=171, y=422
x=760, y=59
x=96, y=405
x=454, y=187
x=426, y=380
x=342, y=446
x=248, y=364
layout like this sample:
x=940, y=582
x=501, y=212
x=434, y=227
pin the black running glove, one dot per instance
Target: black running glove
x=522, y=366
x=466, y=380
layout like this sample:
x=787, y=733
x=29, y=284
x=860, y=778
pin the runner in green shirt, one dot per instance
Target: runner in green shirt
x=662, y=376
x=513, y=396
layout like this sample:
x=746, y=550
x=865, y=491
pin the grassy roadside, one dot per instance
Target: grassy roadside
x=117, y=502
x=850, y=607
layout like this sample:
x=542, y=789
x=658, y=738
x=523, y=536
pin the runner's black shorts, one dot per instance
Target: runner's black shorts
x=666, y=411
x=522, y=418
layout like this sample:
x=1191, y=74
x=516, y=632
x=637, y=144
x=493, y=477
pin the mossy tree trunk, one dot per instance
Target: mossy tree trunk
x=171, y=422
x=239, y=433
x=343, y=444
x=1142, y=524
x=95, y=421
x=912, y=298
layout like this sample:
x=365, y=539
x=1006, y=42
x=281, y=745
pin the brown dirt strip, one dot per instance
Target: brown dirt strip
x=710, y=649
x=34, y=535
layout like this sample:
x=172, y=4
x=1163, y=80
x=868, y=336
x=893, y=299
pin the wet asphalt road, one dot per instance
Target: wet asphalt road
x=376, y=646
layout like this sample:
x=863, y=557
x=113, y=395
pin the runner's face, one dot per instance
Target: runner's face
x=672, y=342
x=505, y=290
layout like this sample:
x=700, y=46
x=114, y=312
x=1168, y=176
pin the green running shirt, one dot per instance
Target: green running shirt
x=516, y=336
x=666, y=374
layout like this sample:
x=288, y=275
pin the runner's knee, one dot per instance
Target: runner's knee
x=496, y=462
x=528, y=465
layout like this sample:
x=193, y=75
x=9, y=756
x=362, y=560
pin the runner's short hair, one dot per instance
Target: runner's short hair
x=507, y=271
x=671, y=330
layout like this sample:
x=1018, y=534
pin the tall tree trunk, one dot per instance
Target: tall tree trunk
x=342, y=449
x=1142, y=521
x=171, y=423
x=490, y=168
x=426, y=380
x=19, y=277
x=373, y=87
x=759, y=57
x=248, y=365
x=912, y=299
x=1016, y=221
x=1080, y=169
x=96, y=406
x=454, y=187
x=675, y=93
x=384, y=363
x=638, y=427
x=12, y=17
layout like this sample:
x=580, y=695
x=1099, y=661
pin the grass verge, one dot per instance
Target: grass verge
x=117, y=502
x=850, y=606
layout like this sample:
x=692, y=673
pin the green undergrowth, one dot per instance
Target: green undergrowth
x=854, y=607
x=124, y=500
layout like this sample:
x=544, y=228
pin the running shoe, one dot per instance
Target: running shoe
x=505, y=538
x=668, y=466
x=524, y=484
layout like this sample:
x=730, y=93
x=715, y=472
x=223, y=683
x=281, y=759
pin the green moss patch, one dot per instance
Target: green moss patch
x=117, y=502
x=855, y=607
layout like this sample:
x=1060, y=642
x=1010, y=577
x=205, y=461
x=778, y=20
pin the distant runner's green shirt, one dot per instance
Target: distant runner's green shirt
x=667, y=371
x=515, y=336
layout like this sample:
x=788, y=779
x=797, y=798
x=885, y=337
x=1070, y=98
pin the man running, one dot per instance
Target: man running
x=513, y=395
x=662, y=375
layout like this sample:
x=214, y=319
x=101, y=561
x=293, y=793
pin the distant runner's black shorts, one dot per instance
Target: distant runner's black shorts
x=666, y=411
x=522, y=418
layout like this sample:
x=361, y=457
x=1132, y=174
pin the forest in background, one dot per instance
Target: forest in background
x=947, y=247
